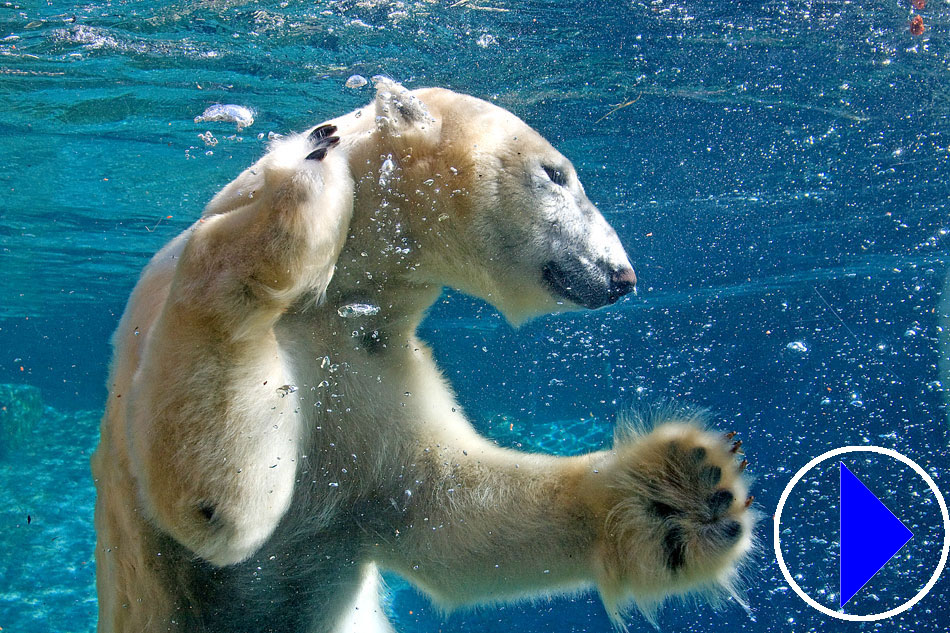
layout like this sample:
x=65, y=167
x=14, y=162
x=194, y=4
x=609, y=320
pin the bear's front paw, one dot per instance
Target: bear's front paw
x=678, y=517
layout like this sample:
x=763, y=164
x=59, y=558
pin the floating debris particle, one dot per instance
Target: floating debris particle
x=356, y=81
x=351, y=310
x=239, y=115
x=917, y=25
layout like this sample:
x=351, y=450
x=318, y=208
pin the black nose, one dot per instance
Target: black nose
x=622, y=282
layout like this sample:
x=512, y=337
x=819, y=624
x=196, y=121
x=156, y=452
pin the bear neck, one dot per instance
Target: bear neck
x=381, y=265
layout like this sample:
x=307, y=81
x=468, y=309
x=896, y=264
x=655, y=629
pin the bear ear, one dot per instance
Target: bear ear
x=400, y=113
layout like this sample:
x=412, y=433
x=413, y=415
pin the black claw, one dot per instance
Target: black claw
x=743, y=464
x=730, y=435
x=323, y=145
x=720, y=501
x=737, y=447
x=318, y=154
x=321, y=132
x=749, y=501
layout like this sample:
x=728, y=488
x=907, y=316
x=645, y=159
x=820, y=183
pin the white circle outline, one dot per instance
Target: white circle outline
x=946, y=533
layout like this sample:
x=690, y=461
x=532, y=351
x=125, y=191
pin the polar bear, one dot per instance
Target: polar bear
x=275, y=432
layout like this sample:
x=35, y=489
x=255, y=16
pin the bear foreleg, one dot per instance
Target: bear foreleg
x=214, y=423
x=661, y=514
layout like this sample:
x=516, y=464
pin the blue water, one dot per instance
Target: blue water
x=778, y=171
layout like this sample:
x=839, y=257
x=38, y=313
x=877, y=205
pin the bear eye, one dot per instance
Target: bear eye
x=556, y=175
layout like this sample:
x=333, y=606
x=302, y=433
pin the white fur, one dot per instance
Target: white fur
x=261, y=454
x=366, y=614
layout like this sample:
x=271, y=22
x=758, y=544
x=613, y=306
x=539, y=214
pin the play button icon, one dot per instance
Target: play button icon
x=870, y=534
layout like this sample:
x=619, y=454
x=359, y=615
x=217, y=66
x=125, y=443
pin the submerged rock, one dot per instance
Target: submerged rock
x=21, y=407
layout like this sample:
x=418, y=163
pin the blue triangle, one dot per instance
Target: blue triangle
x=870, y=534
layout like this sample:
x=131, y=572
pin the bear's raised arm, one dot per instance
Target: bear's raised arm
x=214, y=429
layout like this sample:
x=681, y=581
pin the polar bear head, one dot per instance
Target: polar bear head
x=485, y=202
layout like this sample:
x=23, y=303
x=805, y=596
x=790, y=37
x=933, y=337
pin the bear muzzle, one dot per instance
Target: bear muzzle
x=586, y=286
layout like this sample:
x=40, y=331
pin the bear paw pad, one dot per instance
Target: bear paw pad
x=684, y=499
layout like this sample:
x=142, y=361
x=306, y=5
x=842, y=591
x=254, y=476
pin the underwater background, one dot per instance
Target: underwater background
x=779, y=172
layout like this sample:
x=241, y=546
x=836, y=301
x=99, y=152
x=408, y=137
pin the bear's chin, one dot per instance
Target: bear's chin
x=519, y=308
x=583, y=293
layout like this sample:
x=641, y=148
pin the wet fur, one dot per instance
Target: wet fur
x=261, y=456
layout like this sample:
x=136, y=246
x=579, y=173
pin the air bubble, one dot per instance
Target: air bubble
x=208, y=138
x=486, y=40
x=352, y=310
x=386, y=171
x=286, y=389
x=797, y=346
x=241, y=116
x=356, y=81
